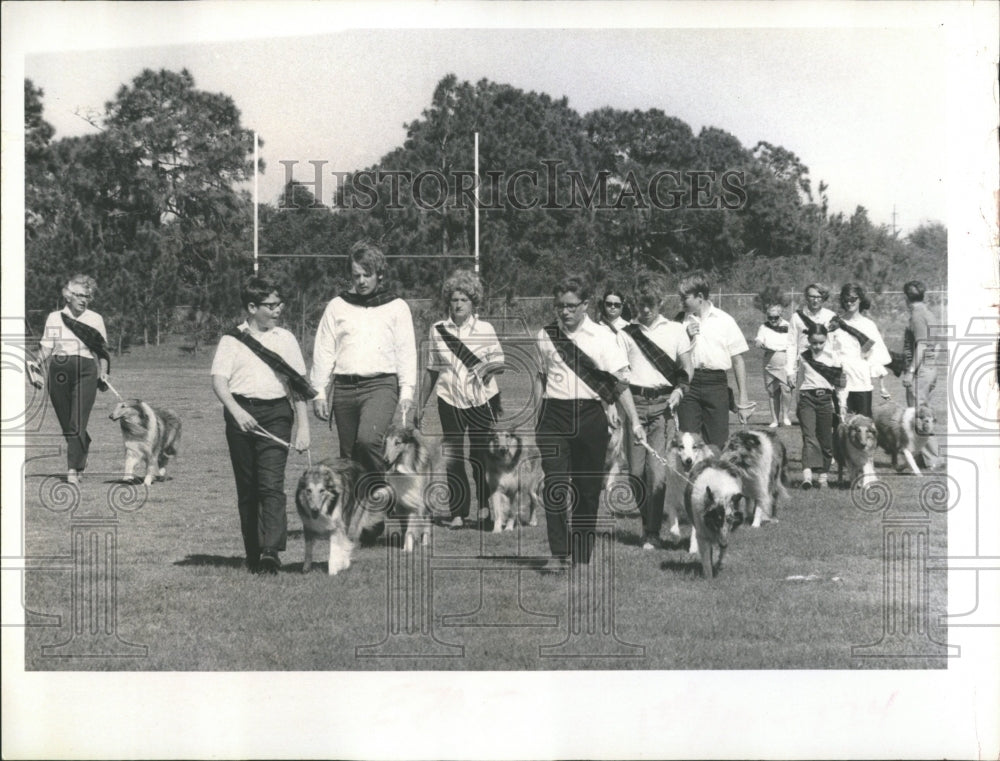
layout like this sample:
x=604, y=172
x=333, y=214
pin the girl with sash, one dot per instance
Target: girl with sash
x=257, y=374
x=464, y=355
x=365, y=364
x=820, y=378
x=583, y=370
x=811, y=313
x=772, y=337
x=614, y=312
x=74, y=347
x=862, y=351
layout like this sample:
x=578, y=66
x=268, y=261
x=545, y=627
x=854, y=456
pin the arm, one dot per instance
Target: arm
x=628, y=404
x=406, y=359
x=743, y=403
x=426, y=387
x=324, y=360
x=678, y=393
x=245, y=421
x=537, y=391
x=301, y=440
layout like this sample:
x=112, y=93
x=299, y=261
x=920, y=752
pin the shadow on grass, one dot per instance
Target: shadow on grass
x=214, y=561
x=685, y=568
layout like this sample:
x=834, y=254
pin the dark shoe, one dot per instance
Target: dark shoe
x=269, y=563
x=556, y=565
x=652, y=542
x=369, y=535
x=806, y=485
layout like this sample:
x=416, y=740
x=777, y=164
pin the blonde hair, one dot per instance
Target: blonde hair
x=84, y=280
x=464, y=281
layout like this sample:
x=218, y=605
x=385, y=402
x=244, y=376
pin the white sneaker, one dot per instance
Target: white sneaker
x=72, y=477
x=774, y=424
x=823, y=482
x=786, y=422
x=456, y=522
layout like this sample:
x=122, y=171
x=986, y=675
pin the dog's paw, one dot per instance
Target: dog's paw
x=306, y=567
x=147, y=481
x=509, y=526
x=408, y=543
x=533, y=521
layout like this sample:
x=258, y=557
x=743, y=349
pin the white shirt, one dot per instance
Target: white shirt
x=357, y=340
x=797, y=340
x=772, y=340
x=719, y=339
x=669, y=336
x=62, y=340
x=249, y=375
x=456, y=384
x=597, y=342
x=810, y=379
x=860, y=368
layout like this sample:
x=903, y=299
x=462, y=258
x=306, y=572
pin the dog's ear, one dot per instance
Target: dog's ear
x=517, y=446
x=709, y=497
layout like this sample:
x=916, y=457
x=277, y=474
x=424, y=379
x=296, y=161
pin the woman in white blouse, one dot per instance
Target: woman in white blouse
x=859, y=344
x=74, y=346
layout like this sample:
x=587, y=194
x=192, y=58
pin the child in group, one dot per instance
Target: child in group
x=772, y=337
x=258, y=368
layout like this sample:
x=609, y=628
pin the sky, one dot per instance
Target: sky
x=864, y=109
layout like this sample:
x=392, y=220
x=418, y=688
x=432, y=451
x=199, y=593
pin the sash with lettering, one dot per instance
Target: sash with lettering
x=376, y=299
x=669, y=368
x=832, y=375
x=601, y=381
x=300, y=385
x=866, y=342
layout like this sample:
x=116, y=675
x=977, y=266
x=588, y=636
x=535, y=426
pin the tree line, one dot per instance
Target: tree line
x=154, y=205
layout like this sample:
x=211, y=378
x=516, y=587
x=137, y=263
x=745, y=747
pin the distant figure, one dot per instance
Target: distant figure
x=863, y=353
x=613, y=310
x=919, y=377
x=772, y=337
x=74, y=347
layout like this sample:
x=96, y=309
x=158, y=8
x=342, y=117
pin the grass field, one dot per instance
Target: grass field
x=795, y=594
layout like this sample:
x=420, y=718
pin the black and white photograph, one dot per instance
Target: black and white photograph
x=500, y=380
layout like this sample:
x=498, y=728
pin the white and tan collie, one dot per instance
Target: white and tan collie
x=760, y=459
x=417, y=480
x=905, y=431
x=514, y=483
x=151, y=437
x=713, y=503
x=327, y=503
x=854, y=444
x=684, y=451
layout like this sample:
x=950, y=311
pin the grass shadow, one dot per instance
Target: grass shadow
x=686, y=568
x=213, y=561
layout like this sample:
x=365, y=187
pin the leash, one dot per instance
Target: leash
x=266, y=434
x=113, y=390
x=663, y=461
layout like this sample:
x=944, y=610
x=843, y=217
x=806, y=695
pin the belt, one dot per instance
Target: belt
x=259, y=402
x=816, y=391
x=648, y=392
x=355, y=379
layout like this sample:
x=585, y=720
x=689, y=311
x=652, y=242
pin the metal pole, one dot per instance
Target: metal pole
x=255, y=225
x=476, y=197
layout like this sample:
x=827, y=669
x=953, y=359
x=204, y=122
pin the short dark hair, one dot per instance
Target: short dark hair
x=914, y=290
x=853, y=289
x=572, y=284
x=816, y=330
x=695, y=284
x=257, y=289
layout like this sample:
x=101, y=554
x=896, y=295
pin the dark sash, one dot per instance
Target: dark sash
x=91, y=338
x=612, y=327
x=899, y=363
x=273, y=360
x=861, y=338
x=806, y=320
x=458, y=348
x=376, y=299
x=832, y=375
x=669, y=368
x=778, y=329
x=605, y=384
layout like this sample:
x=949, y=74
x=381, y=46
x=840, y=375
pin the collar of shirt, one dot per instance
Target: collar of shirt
x=469, y=326
x=587, y=327
x=657, y=321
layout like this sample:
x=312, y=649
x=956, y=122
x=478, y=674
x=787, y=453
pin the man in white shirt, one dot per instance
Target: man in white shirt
x=582, y=371
x=717, y=345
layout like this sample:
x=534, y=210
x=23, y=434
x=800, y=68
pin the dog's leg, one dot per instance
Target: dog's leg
x=151, y=470
x=754, y=506
x=868, y=474
x=705, y=550
x=498, y=507
x=911, y=462
x=718, y=563
x=340, y=553
x=131, y=460
x=307, y=560
x=693, y=544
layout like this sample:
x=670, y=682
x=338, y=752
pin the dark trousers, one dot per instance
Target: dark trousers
x=363, y=411
x=456, y=422
x=705, y=407
x=573, y=438
x=259, y=468
x=73, y=389
x=815, y=413
x=644, y=467
x=860, y=402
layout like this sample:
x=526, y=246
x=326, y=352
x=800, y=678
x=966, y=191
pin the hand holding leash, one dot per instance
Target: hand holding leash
x=246, y=422
x=639, y=433
x=744, y=411
x=320, y=409
x=35, y=375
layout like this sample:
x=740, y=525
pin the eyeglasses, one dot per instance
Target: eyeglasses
x=562, y=305
x=79, y=295
x=850, y=299
x=774, y=317
x=613, y=304
x=272, y=304
x=814, y=296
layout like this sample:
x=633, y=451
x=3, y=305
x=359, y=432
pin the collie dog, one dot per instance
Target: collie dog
x=905, y=431
x=417, y=481
x=854, y=444
x=684, y=451
x=514, y=484
x=330, y=509
x=713, y=500
x=151, y=436
x=614, y=459
x=761, y=460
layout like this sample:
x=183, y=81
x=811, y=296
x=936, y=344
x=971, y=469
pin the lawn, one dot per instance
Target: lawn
x=796, y=594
